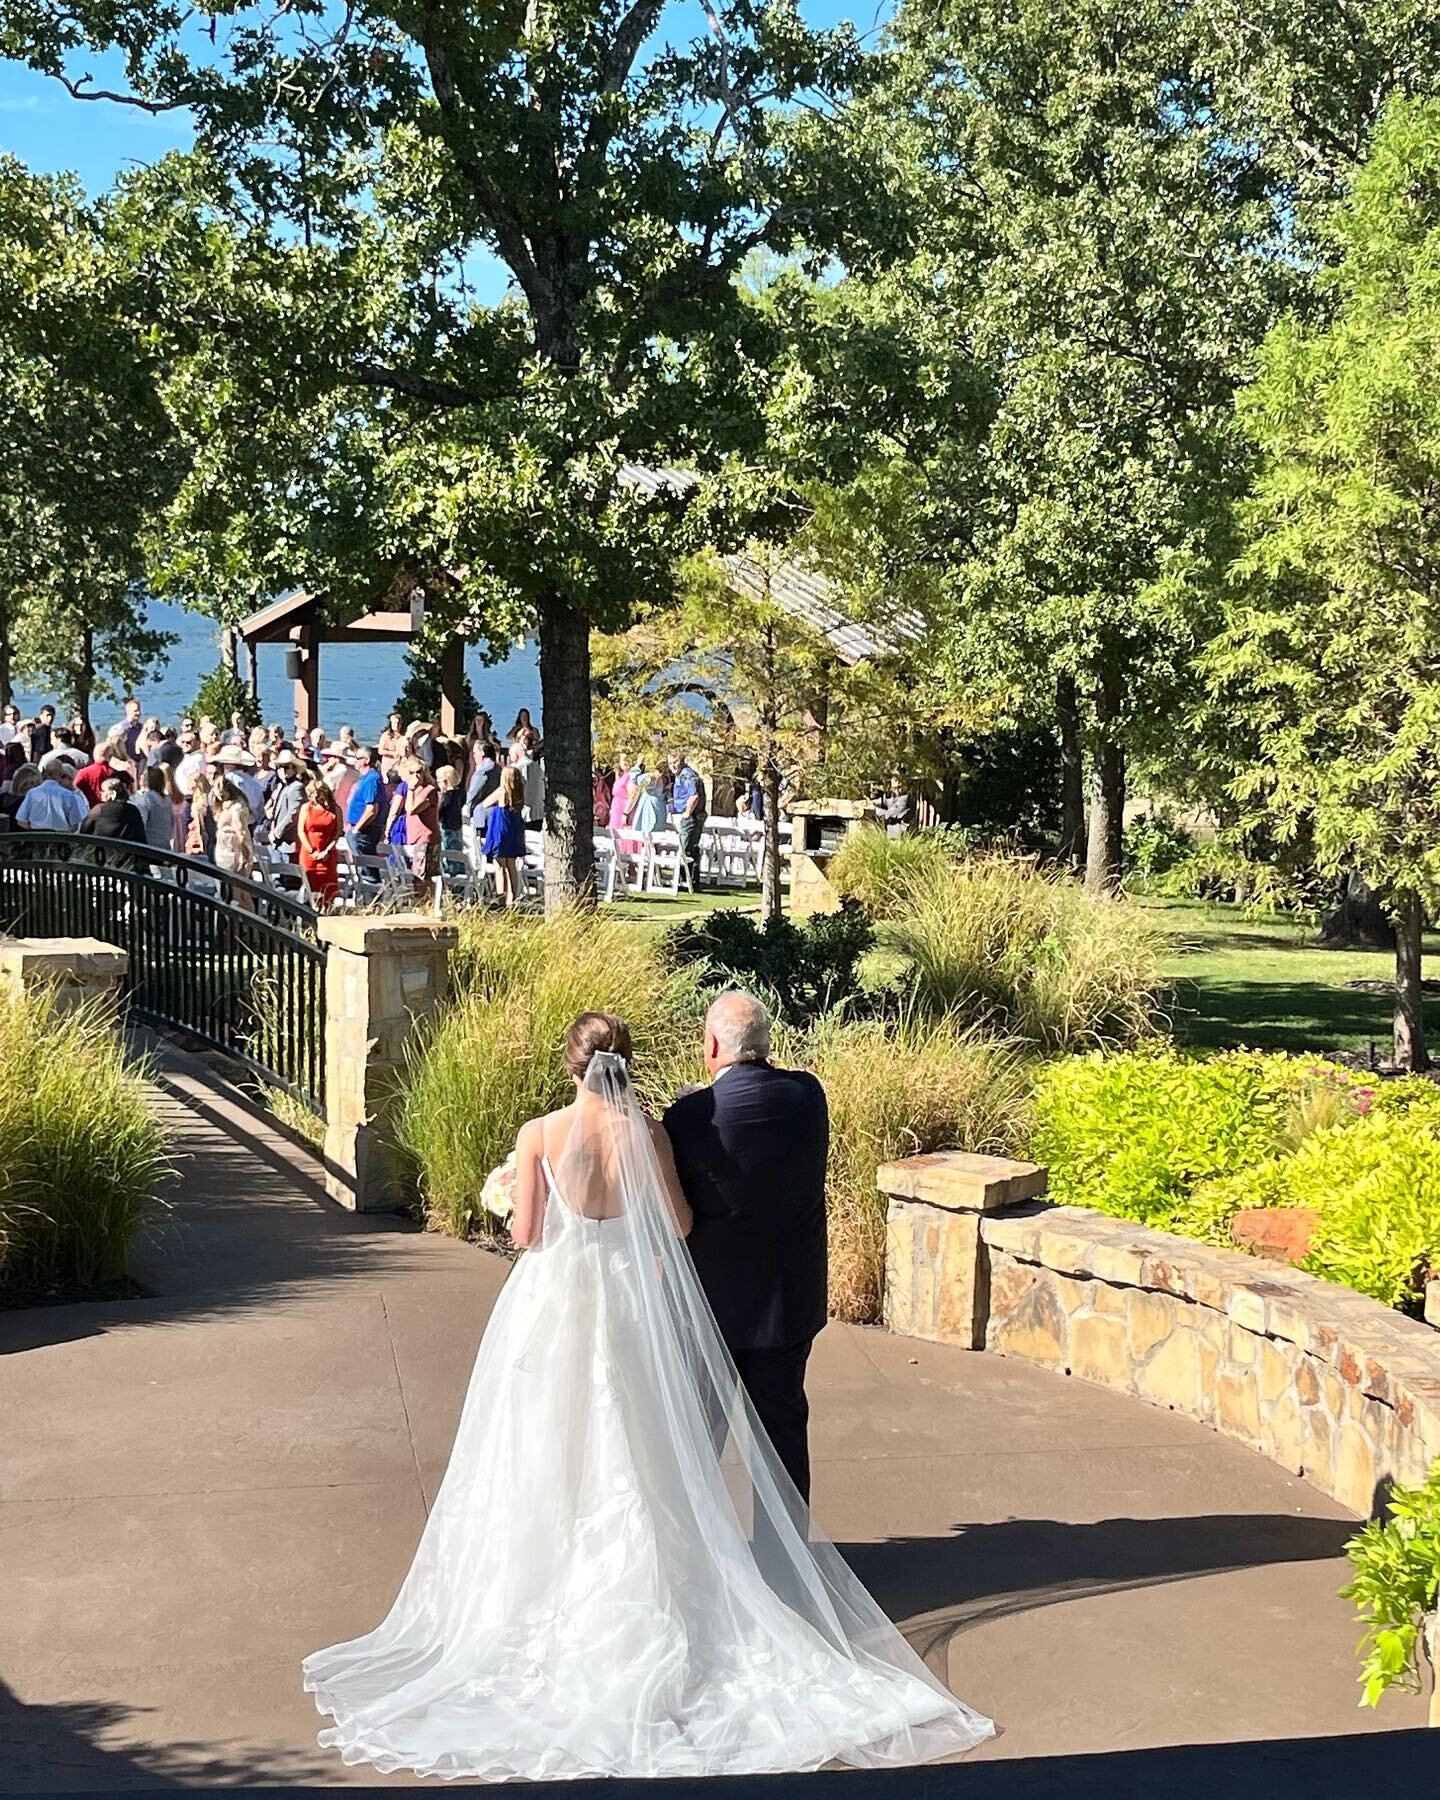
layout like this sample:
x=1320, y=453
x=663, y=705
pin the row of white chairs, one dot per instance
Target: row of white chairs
x=731, y=855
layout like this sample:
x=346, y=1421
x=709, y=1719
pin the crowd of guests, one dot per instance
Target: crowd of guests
x=221, y=794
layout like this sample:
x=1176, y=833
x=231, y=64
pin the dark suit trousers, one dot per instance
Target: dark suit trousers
x=775, y=1382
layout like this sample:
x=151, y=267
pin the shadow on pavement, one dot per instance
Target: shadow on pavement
x=942, y=1586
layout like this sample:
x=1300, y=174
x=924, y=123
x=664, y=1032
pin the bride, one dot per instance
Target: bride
x=598, y=1592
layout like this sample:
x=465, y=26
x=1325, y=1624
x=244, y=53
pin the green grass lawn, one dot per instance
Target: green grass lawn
x=658, y=912
x=1264, y=982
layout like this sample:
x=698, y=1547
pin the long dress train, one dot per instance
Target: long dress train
x=591, y=1595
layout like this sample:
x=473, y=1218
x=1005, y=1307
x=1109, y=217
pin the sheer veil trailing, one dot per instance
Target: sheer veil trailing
x=617, y=1576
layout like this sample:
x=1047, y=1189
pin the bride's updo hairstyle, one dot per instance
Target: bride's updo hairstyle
x=591, y=1033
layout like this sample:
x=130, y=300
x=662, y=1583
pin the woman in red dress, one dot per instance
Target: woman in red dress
x=317, y=833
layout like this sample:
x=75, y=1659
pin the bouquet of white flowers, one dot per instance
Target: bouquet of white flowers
x=497, y=1195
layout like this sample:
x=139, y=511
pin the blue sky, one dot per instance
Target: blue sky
x=49, y=131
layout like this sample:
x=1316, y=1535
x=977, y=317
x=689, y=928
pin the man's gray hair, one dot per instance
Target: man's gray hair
x=741, y=1026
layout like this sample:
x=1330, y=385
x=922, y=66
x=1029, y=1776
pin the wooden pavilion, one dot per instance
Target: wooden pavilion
x=299, y=622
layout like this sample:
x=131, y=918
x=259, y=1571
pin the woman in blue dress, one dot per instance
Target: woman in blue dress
x=505, y=833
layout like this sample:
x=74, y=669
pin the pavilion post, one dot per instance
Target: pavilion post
x=307, y=685
x=452, y=684
x=252, y=668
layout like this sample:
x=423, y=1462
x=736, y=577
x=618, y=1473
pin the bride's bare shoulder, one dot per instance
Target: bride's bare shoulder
x=549, y=1128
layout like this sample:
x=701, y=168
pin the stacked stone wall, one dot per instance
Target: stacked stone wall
x=1327, y=1383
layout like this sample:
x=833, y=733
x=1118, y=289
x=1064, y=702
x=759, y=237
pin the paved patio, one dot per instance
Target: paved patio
x=196, y=1489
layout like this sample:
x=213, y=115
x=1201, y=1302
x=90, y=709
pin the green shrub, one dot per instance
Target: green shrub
x=82, y=1155
x=221, y=693
x=1027, y=954
x=493, y=1060
x=802, y=970
x=1153, y=844
x=900, y=1088
x=1133, y=1135
x=875, y=870
x=1396, y=1588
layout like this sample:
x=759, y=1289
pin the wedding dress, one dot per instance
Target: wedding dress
x=597, y=1592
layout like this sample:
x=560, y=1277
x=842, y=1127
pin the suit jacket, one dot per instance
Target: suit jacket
x=751, y=1151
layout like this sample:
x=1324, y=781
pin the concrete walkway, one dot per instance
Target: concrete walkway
x=198, y=1488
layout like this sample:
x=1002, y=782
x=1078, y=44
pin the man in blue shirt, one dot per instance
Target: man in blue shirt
x=687, y=802
x=367, y=805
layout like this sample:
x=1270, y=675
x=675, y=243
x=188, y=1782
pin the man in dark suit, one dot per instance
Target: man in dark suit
x=750, y=1150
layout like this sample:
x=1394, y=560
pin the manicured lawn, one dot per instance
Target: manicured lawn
x=659, y=911
x=1263, y=982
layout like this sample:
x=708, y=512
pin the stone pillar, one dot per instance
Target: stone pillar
x=936, y=1274
x=384, y=975
x=78, y=969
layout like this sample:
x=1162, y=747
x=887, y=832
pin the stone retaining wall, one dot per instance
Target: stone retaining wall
x=1327, y=1383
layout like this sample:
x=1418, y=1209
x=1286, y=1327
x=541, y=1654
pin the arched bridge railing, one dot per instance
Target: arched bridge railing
x=213, y=955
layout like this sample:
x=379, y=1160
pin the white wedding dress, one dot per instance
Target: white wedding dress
x=597, y=1592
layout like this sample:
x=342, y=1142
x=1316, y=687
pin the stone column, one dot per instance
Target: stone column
x=78, y=969
x=385, y=974
x=936, y=1275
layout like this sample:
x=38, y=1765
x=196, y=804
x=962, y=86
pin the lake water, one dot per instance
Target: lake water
x=358, y=682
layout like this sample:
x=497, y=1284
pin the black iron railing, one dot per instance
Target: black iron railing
x=214, y=955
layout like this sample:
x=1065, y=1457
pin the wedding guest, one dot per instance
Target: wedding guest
x=234, y=847
x=286, y=799
x=602, y=793
x=10, y=725
x=420, y=741
x=200, y=828
x=479, y=742
x=93, y=776
x=452, y=811
x=42, y=733
x=318, y=835
x=620, y=793
x=349, y=744
x=532, y=776
x=15, y=758
x=152, y=802
x=239, y=731
x=422, y=823
x=391, y=743
x=687, y=802
x=192, y=764
x=646, y=804
x=484, y=788
x=505, y=834
x=131, y=727
x=363, y=811
x=52, y=803
x=113, y=816
x=81, y=734
x=523, y=725
x=26, y=778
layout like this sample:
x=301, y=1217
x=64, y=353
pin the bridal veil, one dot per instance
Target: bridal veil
x=617, y=1577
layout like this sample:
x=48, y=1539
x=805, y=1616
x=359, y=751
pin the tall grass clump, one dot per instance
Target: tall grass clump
x=493, y=1060
x=82, y=1156
x=1025, y=953
x=876, y=870
x=900, y=1088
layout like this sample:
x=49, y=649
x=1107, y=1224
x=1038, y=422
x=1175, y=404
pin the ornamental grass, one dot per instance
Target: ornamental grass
x=83, y=1158
x=1024, y=953
x=494, y=1059
x=901, y=1088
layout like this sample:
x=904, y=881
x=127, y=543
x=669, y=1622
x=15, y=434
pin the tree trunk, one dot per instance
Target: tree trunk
x=1103, y=862
x=1359, y=919
x=569, y=794
x=7, y=691
x=1409, y=1000
x=1072, y=774
x=85, y=676
x=771, y=899
x=230, y=649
